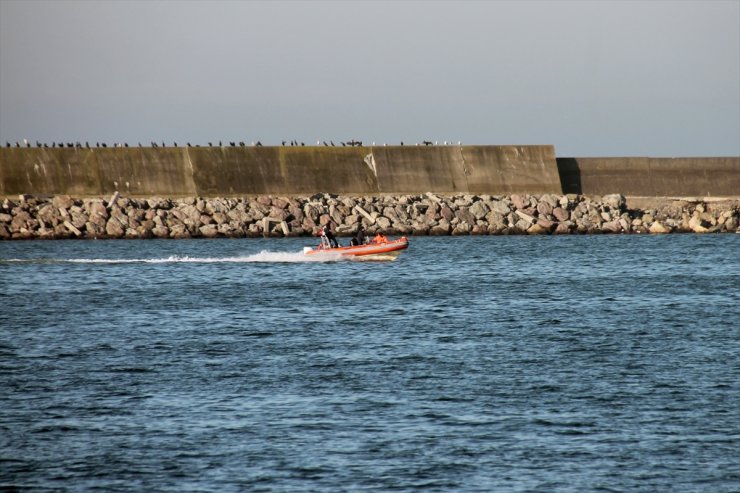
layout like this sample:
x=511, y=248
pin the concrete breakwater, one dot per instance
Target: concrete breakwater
x=29, y=217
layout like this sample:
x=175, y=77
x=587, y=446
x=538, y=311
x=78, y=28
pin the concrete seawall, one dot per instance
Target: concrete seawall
x=229, y=171
x=651, y=177
x=235, y=171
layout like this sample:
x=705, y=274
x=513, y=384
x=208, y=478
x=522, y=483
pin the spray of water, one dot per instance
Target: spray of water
x=263, y=256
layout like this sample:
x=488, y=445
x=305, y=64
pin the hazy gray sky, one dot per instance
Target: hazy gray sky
x=594, y=78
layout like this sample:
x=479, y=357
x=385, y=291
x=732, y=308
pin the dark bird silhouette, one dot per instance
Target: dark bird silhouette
x=241, y=143
x=332, y=143
x=174, y=144
x=258, y=144
x=7, y=144
x=283, y=143
x=189, y=144
x=220, y=144
x=125, y=144
x=210, y=144
x=232, y=144
x=401, y=142
x=104, y=144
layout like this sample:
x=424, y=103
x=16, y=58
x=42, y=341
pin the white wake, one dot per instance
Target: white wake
x=263, y=256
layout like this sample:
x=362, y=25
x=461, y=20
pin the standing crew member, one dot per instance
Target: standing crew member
x=326, y=231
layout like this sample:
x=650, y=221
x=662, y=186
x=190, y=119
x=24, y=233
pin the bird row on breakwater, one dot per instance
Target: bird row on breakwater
x=292, y=143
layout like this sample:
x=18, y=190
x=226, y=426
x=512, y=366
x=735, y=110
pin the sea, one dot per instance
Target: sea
x=599, y=363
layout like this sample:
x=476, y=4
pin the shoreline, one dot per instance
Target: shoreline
x=118, y=217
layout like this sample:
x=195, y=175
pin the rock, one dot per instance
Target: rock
x=479, y=210
x=526, y=217
x=611, y=226
x=179, y=231
x=94, y=230
x=209, y=230
x=20, y=221
x=614, y=201
x=462, y=228
x=563, y=228
x=441, y=229
x=495, y=220
x=544, y=208
x=113, y=228
x=161, y=231
x=500, y=207
x=536, y=229
x=545, y=224
x=447, y=213
x=658, y=228
x=520, y=201
x=72, y=228
x=383, y=223
x=264, y=200
x=561, y=214
x=62, y=202
x=550, y=199
x=96, y=208
x=280, y=203
x=697, y=225
x=464, y=215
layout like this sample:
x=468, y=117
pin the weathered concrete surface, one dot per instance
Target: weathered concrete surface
x=467, y=169
x=221, y=171
x=92, y=172
x=652, y=177
x=225, y=171
x=511, y=169
x=234, y=171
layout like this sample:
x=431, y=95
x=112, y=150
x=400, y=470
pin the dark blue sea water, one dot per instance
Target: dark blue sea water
x=537, y=364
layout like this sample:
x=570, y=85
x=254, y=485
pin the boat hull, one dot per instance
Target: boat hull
x=372, y=251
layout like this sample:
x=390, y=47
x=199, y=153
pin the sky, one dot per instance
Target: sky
x=592, y=78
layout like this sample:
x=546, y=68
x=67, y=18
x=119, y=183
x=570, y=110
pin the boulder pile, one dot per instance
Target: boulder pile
x=57, y=217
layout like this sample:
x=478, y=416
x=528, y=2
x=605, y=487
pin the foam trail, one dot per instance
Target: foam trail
x=263, y=256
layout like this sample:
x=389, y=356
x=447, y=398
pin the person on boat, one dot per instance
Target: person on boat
x=380, y=238
x=326, y=232
x=359, y=238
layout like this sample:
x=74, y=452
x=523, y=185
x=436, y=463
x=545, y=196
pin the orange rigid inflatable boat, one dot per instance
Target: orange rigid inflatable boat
x=383, y=250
